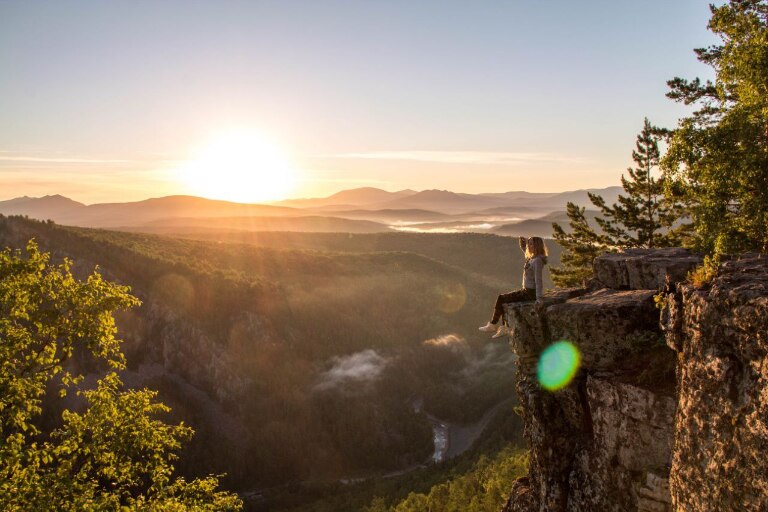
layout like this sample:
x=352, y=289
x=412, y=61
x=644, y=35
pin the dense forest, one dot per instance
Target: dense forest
x=303, y=364
x=495, y=258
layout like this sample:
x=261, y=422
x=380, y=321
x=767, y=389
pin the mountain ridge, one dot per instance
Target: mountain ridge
x=359, y=204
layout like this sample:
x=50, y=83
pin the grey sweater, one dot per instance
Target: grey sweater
x=532, y=275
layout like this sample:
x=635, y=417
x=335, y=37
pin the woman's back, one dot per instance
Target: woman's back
x=533, y=275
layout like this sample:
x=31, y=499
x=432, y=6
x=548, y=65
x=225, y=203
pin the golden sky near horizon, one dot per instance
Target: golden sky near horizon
x=259, y=101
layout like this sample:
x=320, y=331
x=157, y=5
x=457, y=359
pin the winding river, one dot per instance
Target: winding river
x=451, y=439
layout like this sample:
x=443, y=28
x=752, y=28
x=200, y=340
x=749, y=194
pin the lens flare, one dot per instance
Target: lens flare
x=558, y=364
x=451, y=297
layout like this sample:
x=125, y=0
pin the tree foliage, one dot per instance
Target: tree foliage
x=581, y=245
x=643, y=217
x=717, y=159
x=112, y=454
x=484, y=488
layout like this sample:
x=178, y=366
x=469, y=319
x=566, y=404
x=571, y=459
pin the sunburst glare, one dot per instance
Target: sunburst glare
x=243, y=166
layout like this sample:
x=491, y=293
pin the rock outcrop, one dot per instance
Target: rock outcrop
x=669, y=410
x=720, y=333
x=605, y=441
x=644, y=269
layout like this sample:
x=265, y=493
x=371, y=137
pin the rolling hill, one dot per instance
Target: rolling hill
x=542, y=226
x=312, y=223
x=65, y=211
x=356, y=211
x=46, y=207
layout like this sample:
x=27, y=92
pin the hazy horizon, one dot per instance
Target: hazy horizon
x=289, y=199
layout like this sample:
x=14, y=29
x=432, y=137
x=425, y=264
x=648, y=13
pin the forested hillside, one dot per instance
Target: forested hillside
x=303, y=365
x=497, y=258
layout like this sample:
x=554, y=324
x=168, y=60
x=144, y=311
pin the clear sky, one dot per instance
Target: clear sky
x=124, y=100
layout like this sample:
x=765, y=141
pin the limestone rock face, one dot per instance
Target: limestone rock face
x=627, y=434
x=721, y=440
x=604, y=442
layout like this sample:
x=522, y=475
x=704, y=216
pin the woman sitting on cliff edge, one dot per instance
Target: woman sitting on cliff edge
x=533, y=284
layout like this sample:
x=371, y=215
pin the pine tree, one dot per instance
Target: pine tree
x=580, y=247
x=645, y=216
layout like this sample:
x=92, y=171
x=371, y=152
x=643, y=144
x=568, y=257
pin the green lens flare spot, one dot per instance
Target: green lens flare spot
x=558, y=364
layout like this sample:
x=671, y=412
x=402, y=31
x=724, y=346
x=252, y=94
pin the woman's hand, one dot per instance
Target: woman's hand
x=539, y=305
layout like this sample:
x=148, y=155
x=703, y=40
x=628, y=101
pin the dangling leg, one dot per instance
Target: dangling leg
x=498, y=314
x=498, y=309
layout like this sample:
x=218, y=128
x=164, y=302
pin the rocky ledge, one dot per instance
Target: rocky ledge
x=605, y=441
x=669, y=410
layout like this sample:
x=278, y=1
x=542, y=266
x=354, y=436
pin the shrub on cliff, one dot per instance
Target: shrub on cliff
x=112, y=452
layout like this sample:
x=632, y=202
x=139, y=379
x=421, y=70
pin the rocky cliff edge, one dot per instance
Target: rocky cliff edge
x=668, y=409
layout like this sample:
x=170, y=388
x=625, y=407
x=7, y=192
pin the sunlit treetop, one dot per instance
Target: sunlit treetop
x=87, y=463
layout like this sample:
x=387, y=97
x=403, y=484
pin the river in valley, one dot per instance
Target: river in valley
x=452, y=439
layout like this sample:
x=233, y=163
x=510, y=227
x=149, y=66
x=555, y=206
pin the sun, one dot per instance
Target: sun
x=244, y=166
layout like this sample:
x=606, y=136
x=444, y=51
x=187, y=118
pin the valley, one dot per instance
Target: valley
x=296, y=356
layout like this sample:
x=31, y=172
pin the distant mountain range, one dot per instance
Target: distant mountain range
x=358, y=210
x=542, y=226
x=452, y=203
x=363, y=196
x=312, y=223
x=65, y=211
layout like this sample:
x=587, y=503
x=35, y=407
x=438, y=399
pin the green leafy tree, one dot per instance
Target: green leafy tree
x=484, y=488
x=115, y=454
x=717, y=160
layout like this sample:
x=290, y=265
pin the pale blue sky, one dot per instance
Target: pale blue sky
x=99, y=99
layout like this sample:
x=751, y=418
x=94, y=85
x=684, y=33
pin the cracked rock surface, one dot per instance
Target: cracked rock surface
x=605, y=441
x=669, y=410
x=721, y=429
